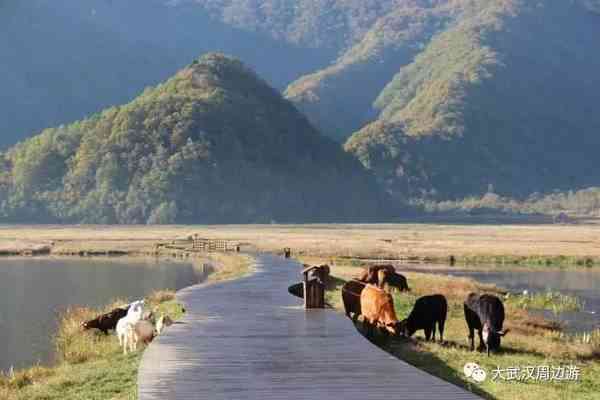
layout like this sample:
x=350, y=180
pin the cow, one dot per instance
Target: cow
x=426, y=313
x=351, y=293
x=106, y=322
x=377, y=307
x=392, y=279
x=485, y=313
x=381, y=274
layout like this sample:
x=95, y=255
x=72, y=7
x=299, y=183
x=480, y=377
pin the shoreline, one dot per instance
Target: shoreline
x=26, y=382
x=465, y=245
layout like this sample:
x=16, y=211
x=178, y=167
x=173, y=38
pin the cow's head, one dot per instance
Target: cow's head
x=393, y=328
x=382, y=278
x=492, y=337
x=86, y=325
x=402, y=328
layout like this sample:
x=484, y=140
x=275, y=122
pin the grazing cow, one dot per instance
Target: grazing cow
x=486, y=314
x=106, y=322
x=392, y=279
x=381, y=274
x=377, y=307
x=428, y=311
x=351, y=293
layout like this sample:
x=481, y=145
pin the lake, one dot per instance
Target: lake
x=583, y=283
x=34, y=291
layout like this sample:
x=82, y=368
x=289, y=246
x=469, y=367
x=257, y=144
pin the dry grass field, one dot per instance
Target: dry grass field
x=419, y=242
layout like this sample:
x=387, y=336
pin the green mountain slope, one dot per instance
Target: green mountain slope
x=339, y=98
x=503, y=98
x=213, y=144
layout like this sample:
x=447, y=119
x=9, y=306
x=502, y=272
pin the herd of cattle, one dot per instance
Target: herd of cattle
x=366, y=296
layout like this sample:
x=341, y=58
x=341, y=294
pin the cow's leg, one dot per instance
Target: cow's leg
x=433, y=331
x=427, y=333
x=441, y=324
x=472, y=338
x=481, y=344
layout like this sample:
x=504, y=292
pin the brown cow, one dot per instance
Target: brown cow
x=377, y=307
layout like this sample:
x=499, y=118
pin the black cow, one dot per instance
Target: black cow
x=106, y=322
x=428, y=311
x=381, y=274
x=393, y=279
x=351, y=292
x=486, y=314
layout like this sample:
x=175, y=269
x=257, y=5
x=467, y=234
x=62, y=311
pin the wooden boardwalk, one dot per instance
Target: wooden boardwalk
x=250, y=339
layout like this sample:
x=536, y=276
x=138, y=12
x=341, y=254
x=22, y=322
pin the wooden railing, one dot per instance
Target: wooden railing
x=198, y=244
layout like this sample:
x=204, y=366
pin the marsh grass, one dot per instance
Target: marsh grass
x=229, y=266
x=548, y=300
x=90, y=365
x=533, y=341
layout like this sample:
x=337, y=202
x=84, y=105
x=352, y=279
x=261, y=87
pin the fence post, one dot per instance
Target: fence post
x=314, y=291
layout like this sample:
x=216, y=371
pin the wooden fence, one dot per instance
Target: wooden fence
x=198, y=244
x=202, y=244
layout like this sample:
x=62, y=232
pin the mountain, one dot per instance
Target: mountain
x=502, y=99
x=213, y=144
x=64, y=60
x=438, y=98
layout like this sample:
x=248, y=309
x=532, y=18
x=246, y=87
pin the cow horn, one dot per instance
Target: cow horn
x=502, y=333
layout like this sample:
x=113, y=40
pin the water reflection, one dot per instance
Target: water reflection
x=34, y=291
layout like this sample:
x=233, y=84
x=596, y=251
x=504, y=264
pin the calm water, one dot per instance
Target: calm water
x=584, y=284
x=34, y=291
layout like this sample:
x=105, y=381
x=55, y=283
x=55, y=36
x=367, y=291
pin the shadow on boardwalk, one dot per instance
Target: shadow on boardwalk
x=249, y=339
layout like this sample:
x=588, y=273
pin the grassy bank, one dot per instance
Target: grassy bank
x=91, y=366
x=542, y=245
x=532, y=341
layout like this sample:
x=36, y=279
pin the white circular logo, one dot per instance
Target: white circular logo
x=469, y=368
x=479, y=375
x=474, y=371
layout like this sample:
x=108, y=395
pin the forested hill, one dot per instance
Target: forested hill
x=438, y=98
x=63, y=60
x=213, y=144
x=504, y=100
